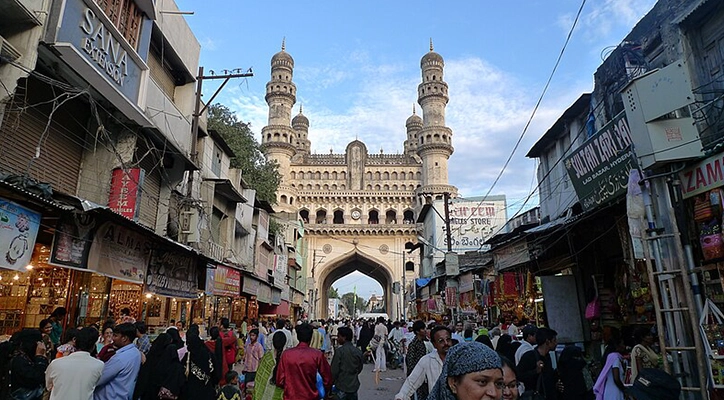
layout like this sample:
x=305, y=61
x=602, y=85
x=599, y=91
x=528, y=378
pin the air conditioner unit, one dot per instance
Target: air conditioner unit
x=190, y=225
x=660, y=123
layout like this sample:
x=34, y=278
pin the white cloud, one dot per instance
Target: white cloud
x=600, y=18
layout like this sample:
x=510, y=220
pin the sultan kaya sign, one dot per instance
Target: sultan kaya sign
x=599, y=168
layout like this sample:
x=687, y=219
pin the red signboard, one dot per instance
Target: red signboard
x=125, y=196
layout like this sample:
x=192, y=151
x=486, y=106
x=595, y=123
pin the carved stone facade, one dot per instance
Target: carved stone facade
x=359, y=208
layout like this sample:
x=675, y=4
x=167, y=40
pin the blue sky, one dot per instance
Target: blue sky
x=357, y=67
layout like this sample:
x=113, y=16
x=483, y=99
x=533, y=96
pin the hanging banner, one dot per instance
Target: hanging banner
x=120, y=253
x=173, y=274
x=18, y=231
x=125, y=198
x=223, y=281
x=466, y=282
x=72, y=241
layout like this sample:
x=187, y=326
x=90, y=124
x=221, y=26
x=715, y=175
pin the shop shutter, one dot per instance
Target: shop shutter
x=61, y=149
x=151, y=187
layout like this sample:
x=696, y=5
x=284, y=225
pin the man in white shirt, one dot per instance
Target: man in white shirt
x=380, y=355
x=75, y=376
x=458, y=334
x=281, y=330
x=429, y=367
x=396, y=334
x=495, y=336
x=528, y=342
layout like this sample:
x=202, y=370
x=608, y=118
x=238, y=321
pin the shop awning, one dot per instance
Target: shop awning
x=225, y=188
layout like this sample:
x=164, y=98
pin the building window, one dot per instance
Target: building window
x=321, y=217
x=374, y=217
x=304, y=215
x=216, y=161
x=125, y=16
x=338, y=217
x=410, y=266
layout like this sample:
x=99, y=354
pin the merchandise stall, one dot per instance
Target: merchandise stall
x=222, y=292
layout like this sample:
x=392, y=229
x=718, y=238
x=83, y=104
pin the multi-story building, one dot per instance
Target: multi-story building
x=358, y=208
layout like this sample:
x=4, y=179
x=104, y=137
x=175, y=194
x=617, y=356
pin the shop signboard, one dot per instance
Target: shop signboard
x=264, y=294
x=72, y=241
x=101, y=46
x=466, y=282
x=708, y=174
x=250, y=286
x=18, y=231
x=276, y=296
x=120, y=253
x=297, y=298
x=171, y=273
x=600, y=167
x=280, y=269
x=223, y=281
x=511, y=255
x=125, y=198
x=472, y=221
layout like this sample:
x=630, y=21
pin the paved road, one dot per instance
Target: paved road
x=389, y=383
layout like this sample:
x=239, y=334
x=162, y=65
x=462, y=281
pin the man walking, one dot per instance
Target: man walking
x=538, y=363
x=121, y=371
x=298, y=368
x=229, y=341
x=281, y=330
x=415, y=352
x=430, y=366
x=380, y=354
x=528, y=342
x=143, y=342
x=75, y=375
x=347, y=364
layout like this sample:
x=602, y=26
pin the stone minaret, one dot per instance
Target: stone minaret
x=300, y=123
x=413, y=125
x=434, y=140
x=278, y=137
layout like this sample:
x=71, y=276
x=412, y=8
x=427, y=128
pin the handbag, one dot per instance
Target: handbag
x=320, y=386
x=165, y=394
x=27, y=394
x=593, y=309
x=534, y=394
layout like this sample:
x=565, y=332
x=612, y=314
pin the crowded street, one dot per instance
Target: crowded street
x=325, y=200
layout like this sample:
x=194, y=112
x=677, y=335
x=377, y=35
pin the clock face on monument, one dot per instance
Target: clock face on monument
x=355, y=214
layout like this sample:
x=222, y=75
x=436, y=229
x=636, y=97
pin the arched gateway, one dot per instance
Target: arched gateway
x=358, y=208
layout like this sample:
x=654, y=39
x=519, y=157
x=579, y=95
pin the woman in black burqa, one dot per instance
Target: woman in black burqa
x=365, y=336
x=202, y=368
x=27, y=368
x=162, y=370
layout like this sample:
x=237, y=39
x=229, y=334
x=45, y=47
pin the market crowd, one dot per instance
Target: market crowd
x=263, y=360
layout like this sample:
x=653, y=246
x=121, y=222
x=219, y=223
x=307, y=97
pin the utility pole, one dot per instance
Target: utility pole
x=448, y=233
x=199, y=111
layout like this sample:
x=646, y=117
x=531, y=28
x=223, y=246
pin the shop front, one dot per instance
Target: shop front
x=171, y=286
x=223, y=285
x=250, y=290
x=702, y=192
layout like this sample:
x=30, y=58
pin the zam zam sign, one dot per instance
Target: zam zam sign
x=599, y=168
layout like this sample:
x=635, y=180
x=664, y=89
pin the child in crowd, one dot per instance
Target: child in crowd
x=231, y=390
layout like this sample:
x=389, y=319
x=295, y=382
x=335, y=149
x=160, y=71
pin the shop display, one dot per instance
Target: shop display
x=125, y=295
x=712, y=330
x=13, y=296
x=48, y=288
